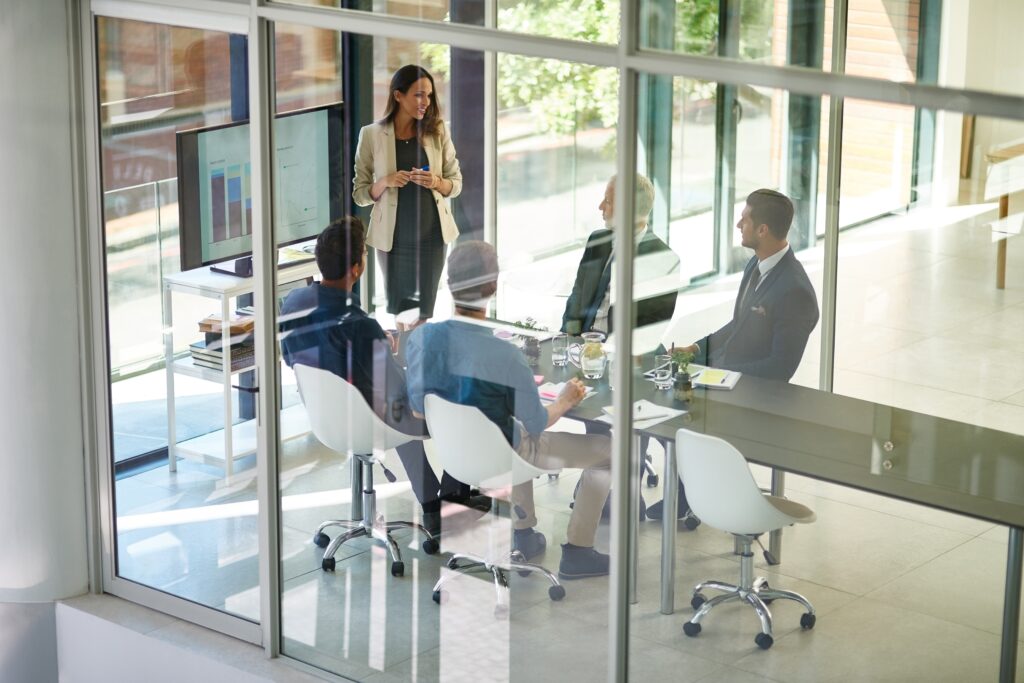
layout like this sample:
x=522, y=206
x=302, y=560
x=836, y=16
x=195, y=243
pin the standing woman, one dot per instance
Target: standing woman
x=406, y=168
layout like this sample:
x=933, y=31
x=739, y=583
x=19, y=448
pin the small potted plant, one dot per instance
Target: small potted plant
x=531, y=345
x=682, y=387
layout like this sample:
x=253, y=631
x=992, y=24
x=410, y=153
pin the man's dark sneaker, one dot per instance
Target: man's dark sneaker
x=654, y=511
x=580, y=563
x=476, y=502
x=529, y=542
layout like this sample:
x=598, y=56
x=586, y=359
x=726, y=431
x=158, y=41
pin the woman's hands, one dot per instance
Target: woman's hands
x=424, y=179
x=396, y=179
x=402, y=178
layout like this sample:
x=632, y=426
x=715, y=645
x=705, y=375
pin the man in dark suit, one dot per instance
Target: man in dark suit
x=776, y=307
x=323, y=326
x=589, y=304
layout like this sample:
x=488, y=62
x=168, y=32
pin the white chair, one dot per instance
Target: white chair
x=722, y=492
x=342, y=421
x=473, y=450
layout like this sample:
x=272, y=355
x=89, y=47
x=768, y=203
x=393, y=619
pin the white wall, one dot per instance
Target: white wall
x=28, y=643
x=42, y=493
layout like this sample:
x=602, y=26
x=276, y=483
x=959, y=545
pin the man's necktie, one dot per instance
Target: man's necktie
x=748, y=293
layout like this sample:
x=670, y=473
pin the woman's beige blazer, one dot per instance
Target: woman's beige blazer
x=375, y=158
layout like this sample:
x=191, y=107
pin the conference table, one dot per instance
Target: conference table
x=894, y=452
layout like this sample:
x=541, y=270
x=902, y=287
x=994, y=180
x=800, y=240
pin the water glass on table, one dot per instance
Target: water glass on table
x=560, y=350
x=663, y=371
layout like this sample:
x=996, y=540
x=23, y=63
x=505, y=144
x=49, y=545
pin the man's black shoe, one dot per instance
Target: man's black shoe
x=529, y=542
x=476, y=502
x=581, y=563
x=654, y=511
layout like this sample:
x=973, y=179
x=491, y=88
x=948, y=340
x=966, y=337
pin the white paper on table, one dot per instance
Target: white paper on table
x=640, y=409
x=549, y=391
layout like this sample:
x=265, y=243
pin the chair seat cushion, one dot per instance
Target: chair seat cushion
x=801, y=514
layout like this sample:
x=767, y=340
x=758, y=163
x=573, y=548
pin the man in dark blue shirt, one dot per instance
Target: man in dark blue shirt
x=460, y=360
x=323, y=326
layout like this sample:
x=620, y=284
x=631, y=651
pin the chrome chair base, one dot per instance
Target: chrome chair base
x=755, y=592
x=371, y=525
x=513, y=561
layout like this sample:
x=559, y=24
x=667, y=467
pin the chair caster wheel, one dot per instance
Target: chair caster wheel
x=440, y=597
x=328, y=564
x=697, y=601
x=691, y=629
x=652, y=480
x=321, y=540
x=397, y=568
x=501, y=611
x=453, y=564
x=556, y=593
x=763, y=640
x=691, y=522
x=807, y=620
x=431, y=546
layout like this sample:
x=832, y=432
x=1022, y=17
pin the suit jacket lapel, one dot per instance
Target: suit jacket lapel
x=386, y=142
x=773, y=275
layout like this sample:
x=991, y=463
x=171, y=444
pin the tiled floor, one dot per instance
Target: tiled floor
x=903, y=593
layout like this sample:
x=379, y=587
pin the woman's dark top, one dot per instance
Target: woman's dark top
x=417, y=255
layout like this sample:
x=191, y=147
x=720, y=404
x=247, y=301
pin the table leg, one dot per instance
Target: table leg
x=775, y=537
x=229, y=418
x=356, y=476
x=1004, y=211
x=172, y=424
x=669, y=525
x=1011, y=606
x=634, y=517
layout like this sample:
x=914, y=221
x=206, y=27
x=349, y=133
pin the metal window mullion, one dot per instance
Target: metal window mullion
x=261, y=117
x=491, y=131
x=735, y=71
x=623, y=493
x=92, y=323
x=207, y=15
x=830, y=274
x=464, y=36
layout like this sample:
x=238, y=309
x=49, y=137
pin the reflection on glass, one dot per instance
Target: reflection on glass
x=184, y=480
x=364, y=588
x=921, y=286
x=556, y=144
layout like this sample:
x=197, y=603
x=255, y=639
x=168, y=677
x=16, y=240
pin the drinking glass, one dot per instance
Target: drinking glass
x=560, y=350
x=592, y=355
x=663, y=371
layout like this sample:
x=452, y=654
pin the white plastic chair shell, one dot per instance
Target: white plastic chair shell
x=722, y=491
x=472, y=448
x=340, y=417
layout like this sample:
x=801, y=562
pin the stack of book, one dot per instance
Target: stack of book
x=209, y=352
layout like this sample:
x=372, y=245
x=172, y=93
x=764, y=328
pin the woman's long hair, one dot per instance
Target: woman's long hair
x=402, y=80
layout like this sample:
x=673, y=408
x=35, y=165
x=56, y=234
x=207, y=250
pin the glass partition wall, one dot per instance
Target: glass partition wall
x=431, y=331
x=388, y=487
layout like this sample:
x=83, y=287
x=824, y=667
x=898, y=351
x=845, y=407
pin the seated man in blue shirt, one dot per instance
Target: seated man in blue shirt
x=323, y=326
x=461, y=361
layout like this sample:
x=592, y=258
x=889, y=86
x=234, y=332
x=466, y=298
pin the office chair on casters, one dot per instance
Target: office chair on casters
x=722, y=492
x=342, y=421
x=474, y=451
